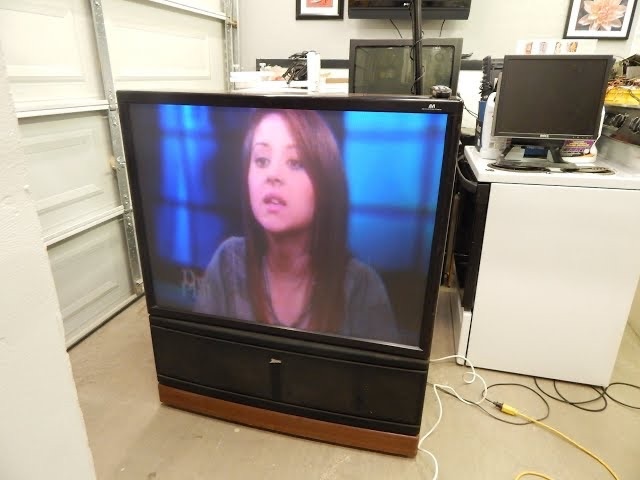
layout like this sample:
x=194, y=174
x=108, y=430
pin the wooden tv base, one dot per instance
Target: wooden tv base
x=375, y=440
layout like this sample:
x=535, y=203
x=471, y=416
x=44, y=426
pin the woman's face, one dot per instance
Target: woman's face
x=280, y=191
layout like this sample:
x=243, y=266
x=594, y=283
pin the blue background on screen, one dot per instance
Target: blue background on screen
x=393, y=163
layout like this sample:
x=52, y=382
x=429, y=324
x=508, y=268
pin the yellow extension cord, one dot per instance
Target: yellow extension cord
x=512, y=411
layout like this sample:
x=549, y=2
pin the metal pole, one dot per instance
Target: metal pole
x=416, y=15
x=116, y=144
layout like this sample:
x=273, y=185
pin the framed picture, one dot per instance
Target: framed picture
x=604, y=19
x=319, y=9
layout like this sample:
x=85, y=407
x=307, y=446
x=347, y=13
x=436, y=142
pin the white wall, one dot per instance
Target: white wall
x=42, y=433
x=270, y=29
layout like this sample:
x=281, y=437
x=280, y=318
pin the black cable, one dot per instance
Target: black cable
x=512, y=384
x=417, y=81
x=442, y=26
x=297, y=69
x=501, y=419
x=467, y=184
x=562, y=399
x=473, y=114
x=578, y=404
x=397, y=29
x=606, y=392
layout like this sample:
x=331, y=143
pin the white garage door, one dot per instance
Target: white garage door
x=65, y=59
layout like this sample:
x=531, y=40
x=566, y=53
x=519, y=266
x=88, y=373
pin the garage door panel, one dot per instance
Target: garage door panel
x=204, y=5
x=91, y=276
x=70, y=172
x=166, y=59
x=57, y=58
x=49, y=47
x=153, y=47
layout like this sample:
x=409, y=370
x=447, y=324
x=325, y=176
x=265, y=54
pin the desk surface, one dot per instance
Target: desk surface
x=296, y=87
x=622, y=179
x=331, y=81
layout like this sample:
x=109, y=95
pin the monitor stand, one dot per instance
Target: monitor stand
x=550, y=158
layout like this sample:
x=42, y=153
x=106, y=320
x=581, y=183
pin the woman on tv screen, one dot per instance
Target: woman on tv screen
x=292, y=267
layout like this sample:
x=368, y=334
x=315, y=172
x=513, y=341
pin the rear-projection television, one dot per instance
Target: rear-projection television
x=292, y=248
x=386, y=66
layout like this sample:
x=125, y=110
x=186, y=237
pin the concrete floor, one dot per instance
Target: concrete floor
x=133, y=436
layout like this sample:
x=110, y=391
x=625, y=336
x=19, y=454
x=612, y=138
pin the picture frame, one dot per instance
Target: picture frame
x=600, y=19
x=319, y=9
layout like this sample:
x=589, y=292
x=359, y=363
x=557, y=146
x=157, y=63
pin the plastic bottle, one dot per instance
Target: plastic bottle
x=490, y=147
x=313, y=71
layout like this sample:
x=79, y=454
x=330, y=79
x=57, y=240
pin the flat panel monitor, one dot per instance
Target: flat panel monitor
x=431, y=9
x=386, y=66
x=551, y=97
x=318, y=218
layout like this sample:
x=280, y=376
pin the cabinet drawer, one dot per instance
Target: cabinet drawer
x=307, y=381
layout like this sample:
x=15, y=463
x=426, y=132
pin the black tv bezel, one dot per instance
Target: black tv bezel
x=544, y=136
x=398, y=9
x=455, y=42
x=257, y=331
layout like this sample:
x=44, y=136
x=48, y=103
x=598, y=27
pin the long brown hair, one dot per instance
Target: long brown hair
x=329, y=253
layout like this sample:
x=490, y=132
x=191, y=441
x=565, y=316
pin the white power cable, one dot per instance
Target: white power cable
x=436, y=386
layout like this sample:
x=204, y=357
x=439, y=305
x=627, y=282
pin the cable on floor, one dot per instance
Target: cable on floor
x=512, y=384
x=451, y=391
x=504, y=408
x=512, y=411
x=488, y=412
x=578, y=404
x=606, y=392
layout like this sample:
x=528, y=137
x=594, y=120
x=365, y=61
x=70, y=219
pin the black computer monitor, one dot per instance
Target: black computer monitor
x=386, y=67
x=547, y=99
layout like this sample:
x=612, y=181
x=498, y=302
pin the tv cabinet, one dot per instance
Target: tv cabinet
x=263, y=381
x=364, y=385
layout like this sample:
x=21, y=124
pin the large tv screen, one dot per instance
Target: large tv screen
x=319, y=220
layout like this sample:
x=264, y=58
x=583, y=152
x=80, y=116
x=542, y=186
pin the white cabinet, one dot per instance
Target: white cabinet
x=557, y=276
x=558, y=271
